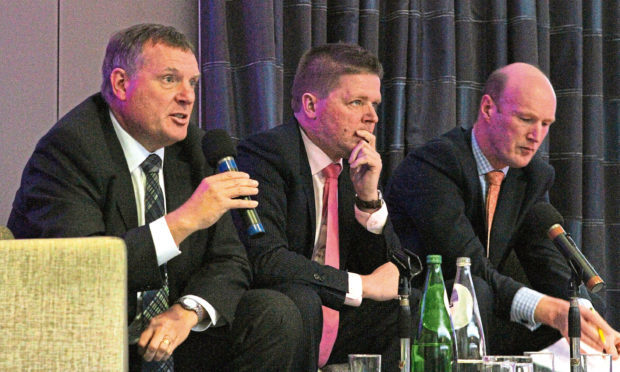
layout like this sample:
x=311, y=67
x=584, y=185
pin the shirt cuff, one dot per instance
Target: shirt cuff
x=354, y=296
x=585, y=302
x=373, y=222
x=165, y=248
x=523, y=306
x=208, y=321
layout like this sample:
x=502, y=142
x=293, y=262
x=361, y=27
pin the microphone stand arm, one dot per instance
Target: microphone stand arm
x=404, y=312
x=404, y=325
x=574, y=320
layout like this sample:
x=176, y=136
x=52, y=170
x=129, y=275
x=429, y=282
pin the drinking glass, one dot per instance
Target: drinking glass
x=542, y=360
x=516, y=363
x=495, y=363
x=469, y=365
x=596, y=362
x=365, y=362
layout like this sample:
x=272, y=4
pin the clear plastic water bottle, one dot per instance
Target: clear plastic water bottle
x=434, y=349
x=465, y=314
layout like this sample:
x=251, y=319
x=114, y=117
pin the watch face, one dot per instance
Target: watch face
x=189, y=303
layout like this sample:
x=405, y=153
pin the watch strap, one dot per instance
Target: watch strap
x=197, y=308
x=369, y=204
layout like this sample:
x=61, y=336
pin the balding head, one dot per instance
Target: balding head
x=517, y=74
x=516, y=109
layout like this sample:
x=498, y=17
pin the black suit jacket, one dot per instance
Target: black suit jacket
x=277, y=159
x=77, y=184
x=435, y=200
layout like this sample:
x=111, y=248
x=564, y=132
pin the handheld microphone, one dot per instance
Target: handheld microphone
x=220, y=152
x=548, y=218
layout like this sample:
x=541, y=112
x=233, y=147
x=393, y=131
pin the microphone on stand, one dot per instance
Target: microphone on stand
x=546, y=217
x=220, y=152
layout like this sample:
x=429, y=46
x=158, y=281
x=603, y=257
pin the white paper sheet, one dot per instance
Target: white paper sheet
x=561, y=351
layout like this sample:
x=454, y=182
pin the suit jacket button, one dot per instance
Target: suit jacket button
x=318, y=277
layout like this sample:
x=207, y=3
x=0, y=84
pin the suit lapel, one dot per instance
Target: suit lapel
x=175, y=171
x=478, y=204
x=305, y=175
x=122, y=189
x=177, y=176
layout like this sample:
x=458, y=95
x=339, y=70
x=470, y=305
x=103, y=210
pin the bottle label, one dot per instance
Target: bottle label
x=461, y=306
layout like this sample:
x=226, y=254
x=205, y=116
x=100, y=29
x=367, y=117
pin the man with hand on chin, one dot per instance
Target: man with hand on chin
x=126, y=162
x=328, y=235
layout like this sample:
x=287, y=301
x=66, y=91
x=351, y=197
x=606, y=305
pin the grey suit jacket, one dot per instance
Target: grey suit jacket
x=77, y=184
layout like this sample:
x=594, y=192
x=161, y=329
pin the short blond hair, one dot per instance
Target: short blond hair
x=320, y=68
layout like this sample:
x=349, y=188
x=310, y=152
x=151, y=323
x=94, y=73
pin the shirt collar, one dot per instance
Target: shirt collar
x=134, y=152
x=317, y=158
x=482, y=163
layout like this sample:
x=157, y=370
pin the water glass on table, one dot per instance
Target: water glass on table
x=542, y=360
x=596, y=362
x=365, y=362
x=507, y=363
x=469, y=365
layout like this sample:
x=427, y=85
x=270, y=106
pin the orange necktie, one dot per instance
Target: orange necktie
x=331, y=317
x=494, y=179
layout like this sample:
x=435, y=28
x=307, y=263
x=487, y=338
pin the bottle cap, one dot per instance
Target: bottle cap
x=433, y=259
x=463, y=261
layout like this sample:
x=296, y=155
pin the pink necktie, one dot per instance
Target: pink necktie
x=332, y=256
x=494, y=179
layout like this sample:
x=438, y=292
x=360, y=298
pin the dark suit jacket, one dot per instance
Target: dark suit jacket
x=277, y=159
x=77, y=184
x=435, y=200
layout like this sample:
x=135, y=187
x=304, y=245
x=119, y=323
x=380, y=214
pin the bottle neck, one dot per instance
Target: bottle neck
x=463, y=274
x=435, y=296
x=435, y=274
x=435, y=317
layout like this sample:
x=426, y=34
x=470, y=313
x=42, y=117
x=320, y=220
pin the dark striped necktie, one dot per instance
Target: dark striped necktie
x=156, y=301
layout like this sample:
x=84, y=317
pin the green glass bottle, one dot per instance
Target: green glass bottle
x=433, y=349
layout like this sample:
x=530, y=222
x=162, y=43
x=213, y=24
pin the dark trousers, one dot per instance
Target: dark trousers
x=368, y=329
x=264, y=336
x=504, y=337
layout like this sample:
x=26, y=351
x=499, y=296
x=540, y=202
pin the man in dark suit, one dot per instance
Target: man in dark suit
x=335, y=94
x=86, y=178
x=437, y=201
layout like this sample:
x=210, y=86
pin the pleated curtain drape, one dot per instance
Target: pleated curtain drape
x=437, y=55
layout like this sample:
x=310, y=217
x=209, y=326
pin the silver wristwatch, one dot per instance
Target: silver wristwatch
x=189, y=303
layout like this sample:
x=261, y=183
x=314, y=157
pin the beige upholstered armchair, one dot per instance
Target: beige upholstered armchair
x=63, y=304
x=5, y=233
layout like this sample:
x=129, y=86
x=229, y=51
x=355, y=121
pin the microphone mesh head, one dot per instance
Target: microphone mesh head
x=541, y=217
x=217, y=145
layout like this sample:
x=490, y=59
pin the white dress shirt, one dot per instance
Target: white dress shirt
x=165, y=247
x=373, y=222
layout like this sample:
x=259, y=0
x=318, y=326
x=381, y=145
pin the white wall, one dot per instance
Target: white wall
x=51, y=53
